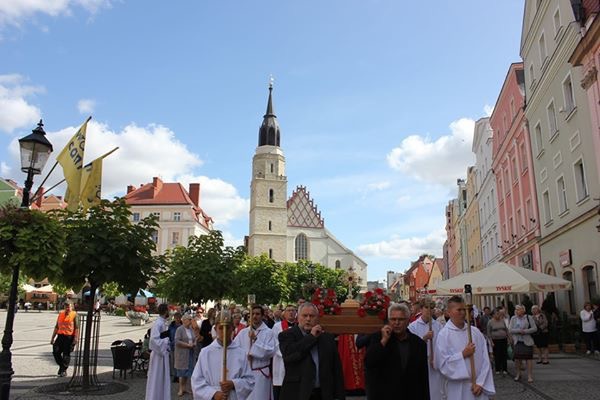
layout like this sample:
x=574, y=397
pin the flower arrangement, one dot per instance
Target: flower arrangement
x=374, y=303
x=138, y=312
x=326, y=302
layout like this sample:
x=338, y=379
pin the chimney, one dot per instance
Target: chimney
x=130, y=188
x=40, y=197
x=157, y=183
x=195, y=193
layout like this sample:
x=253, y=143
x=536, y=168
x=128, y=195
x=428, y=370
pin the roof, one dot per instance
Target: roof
x=160, y=193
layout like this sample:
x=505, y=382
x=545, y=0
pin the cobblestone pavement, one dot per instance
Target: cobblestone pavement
x=566, y=377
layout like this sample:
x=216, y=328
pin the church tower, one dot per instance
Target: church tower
x=268, y=191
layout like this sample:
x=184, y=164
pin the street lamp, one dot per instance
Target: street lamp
x=35, y=150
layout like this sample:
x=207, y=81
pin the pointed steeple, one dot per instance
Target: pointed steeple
x=269, y=134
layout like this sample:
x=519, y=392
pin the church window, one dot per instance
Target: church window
x=270, y=225
x=301, y=247
x=271, y=195
x=338, y=264
x=270, y=253
x=271, y=167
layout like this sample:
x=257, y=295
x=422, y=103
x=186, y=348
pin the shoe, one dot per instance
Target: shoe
x=517, y=378
x=546, y=362
x=596, y=353
x=539, y=362
x=587, y=353
x=63, y=374
x=497, y=372
x=504, y=373
x=60, y=371
x=529, y=380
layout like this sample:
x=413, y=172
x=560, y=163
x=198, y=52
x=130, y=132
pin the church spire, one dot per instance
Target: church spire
x=269, y=134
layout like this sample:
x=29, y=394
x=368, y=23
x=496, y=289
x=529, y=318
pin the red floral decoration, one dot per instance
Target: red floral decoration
x=139, y=309
x=326, y=302
x=374, y=303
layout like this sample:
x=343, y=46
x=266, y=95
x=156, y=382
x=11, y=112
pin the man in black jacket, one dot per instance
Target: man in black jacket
x=396, y=361
x=313, y=370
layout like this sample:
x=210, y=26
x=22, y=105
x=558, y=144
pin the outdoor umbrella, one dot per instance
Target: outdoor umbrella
x=501, y=278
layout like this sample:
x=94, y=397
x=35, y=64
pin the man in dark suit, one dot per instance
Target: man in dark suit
x=313, y=370
x=396, y=361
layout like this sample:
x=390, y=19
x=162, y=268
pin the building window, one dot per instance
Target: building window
x=512, y=108
x=271, y=167
x=520, y=226
x=556, y=22
x=136, y=217
x=515, y=170
x=529, y=212
x=270, y=225
x=562, y=195
x=177, y=216
x=155, y=237
x=270, y=253
x=271, y=195
x=539, y=146
x=543, y=53
x=552, y=124
x=175, y=238
x=547, y=209
x=523, y=157
x=156, y=214
x=301, y=247
x=568, y=275
x=568, y=95
x=338, y=264
x=589, y=279
x=531, y=75
x=580, y=181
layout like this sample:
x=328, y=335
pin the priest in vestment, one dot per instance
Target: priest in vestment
x=452, y=354
x=420, y=327
x=258, y=342
x=353, y=362
x=158, y=385
x=207, y=379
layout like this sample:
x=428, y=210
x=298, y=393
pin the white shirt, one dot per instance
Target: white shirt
x=588, y=323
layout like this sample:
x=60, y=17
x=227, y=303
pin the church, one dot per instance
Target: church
x=289, y=229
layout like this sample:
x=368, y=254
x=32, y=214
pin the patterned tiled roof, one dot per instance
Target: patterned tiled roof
x=302, y=212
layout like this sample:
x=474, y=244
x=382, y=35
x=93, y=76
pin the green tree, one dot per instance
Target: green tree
x=110, y=290
x=5, y=282
x=262, y=277
x=202, y=271
x=104, y=246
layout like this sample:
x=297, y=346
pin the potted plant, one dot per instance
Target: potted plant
x=138, y=315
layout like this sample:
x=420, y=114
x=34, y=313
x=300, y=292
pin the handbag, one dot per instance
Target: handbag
x=509, y=352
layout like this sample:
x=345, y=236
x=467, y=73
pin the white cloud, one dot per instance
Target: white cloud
x=15, y=12
x=438, y=161
x=15, y=110
x=379, y=185
x=404, y=199
x=146, y=152
x=4, y=169
x=398, y=248
x=86, y=106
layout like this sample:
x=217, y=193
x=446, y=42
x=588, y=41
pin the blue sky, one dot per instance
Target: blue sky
x=376, y=100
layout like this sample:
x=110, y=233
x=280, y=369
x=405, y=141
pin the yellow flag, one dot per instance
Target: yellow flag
x=91, y=184
x=71, y=161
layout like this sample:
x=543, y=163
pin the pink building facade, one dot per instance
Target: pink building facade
x=513, y=167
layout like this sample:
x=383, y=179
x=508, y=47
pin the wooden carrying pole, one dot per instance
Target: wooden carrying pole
x=224, y=372
x=429, y=302
x=469, y=301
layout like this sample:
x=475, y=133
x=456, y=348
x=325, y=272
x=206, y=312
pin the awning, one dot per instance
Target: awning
x=500, y=278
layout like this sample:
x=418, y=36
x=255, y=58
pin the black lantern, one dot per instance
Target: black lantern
x=35, y=151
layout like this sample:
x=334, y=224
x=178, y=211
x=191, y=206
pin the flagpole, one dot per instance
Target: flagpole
x=41, y=194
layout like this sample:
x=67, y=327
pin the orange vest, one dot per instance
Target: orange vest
x=66, y=323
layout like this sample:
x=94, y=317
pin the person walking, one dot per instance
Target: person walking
x=64, y=338
x=176, y=323
x=396, y=360
x=313, y=370
x=185, y=341
x=497, y=332
x=540, y=338
x=158, y=385
x=521, y=327
x=589, y=329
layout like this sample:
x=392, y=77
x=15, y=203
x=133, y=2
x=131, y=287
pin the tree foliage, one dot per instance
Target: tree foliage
x=32, y=240
x=202, y=271
x=262, y=277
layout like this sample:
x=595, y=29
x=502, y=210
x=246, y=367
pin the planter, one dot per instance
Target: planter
x=553, y=348
x=569, y=348
x=137, y=321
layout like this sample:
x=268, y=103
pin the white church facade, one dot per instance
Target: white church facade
x=289, y=229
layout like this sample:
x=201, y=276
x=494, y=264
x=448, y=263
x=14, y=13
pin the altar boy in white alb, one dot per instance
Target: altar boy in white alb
x=208, y=382
x=452, y=353
x=420, y=327
x=258, y=341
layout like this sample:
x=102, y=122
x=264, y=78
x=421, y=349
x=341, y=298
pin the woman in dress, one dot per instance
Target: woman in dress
x=185, y=341
x=540, y=338
x=521, y=327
